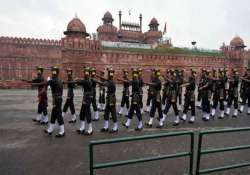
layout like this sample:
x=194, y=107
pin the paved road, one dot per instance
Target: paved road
x=26, y=150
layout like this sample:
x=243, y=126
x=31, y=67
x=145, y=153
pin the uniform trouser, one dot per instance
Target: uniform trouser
x=169, y=103
x=150, y=97
x=246, y=97
x=56, y=113
x=180, y=96
x=156, y=106
x=141, y=100
x=85, y=112
x=216, y=100
x=164, y=97
x=42, y=108
x=110, y=109
x=191, y=103
x=135, y=107
x=226, y=95
x=102, y=97
x=69, y=104
x=199, y=96
x=125, y=101
x=93, y=102
x=232, y=99
x=205, y=103
x=242, y=93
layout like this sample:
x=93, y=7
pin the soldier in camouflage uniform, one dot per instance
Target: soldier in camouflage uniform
x=135, y=101
x=233, y=93
x=141, y=84
x=172, y=97
x=70, y=97
x=246, y=94
x=110, y=102
x=150, y=91
x=85, y=111
x=102, y=91
x=206, y=90
x=218, y=93
x=156, y=100
x=93, y=100
x=125, y=93
x=165, y=89
x=180, y=79
x=189, y=97
x=200, y=84
x=56, y=85
x=42, y=116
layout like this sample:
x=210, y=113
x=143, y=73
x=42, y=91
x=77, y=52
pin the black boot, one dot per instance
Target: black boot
x=138, y=129
x=72, y=121
x=47, y=132
x=104, y=130
x=60, y=135
x=113, y=131
x=88, y=133
x=149, y=125
x=80, y=131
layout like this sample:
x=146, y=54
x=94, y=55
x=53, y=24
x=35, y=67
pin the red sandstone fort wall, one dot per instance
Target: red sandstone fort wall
x=127, y=60
x=19, y=56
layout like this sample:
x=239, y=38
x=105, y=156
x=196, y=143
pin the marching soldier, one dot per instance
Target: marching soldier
x=56, y=85
x=233, y=94
x=156, y=100
x=135, y=101
x=125, y=93
x=110, y=102
x=246, y=95
x=200, y=84
x=42, y=116
x=93, y=100
x=243, y=86
x=101, y=104
x=141, y=84
x=172, y=97
x=190, y=97
x=70, y=97
x=213, y=79
x=150, y=91
x=206, y=95
x=180, y=79
x=85, y=111
x=165, y=90
x=219, y=93
x=226, y=86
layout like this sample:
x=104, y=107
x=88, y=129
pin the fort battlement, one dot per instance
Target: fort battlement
x=30, y=41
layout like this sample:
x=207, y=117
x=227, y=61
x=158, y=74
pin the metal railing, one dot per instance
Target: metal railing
x=93, y=166
x=219, y=150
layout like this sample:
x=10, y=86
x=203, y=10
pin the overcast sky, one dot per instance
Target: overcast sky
x=209, y=22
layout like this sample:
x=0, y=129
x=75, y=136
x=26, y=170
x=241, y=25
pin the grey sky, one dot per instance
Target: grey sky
x=209, y=22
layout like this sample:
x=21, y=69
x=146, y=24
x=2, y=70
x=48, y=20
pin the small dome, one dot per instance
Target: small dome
x=237, y=42
x=107, y=18
x=76, y=26
x=108, y=15
x=153, y=22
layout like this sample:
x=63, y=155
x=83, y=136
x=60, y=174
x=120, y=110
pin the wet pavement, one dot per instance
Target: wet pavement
x=26, y=150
